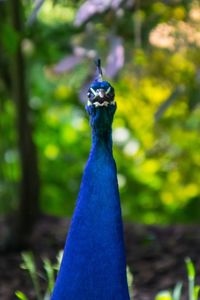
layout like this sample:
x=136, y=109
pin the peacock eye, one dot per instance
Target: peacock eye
x=92, y=94
x=110, y=93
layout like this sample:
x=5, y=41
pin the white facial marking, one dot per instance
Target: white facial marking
x=93, y=91
x=108, y=90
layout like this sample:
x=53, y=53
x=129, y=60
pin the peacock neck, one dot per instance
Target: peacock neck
x=101, y=122
x=94, y=264
x=102, y=140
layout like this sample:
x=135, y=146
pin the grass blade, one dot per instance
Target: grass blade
x=176, y=295
x=130, y=282
x=30, y=265
x=191, y=277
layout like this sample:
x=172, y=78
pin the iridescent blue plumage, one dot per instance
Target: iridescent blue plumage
x=93, y=265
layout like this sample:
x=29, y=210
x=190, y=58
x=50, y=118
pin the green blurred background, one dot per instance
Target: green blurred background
x=150, y=53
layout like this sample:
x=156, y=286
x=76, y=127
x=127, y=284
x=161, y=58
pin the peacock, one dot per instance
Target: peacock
x=93, y=266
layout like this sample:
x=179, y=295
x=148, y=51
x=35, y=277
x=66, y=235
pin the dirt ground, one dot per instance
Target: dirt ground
x=155, y=256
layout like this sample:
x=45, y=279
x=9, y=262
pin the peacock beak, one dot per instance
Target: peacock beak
x=101, y=93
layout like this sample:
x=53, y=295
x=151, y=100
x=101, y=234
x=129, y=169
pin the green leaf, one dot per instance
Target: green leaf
x=49, y=268
x=28, y=262
x=164, y=295
x=20, y=295
x=196, y=292
x=59, y=259
x=130, y=281
x=190, y=269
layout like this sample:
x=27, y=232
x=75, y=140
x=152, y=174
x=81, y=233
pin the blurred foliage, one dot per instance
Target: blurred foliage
x=48, y=274
x=51, y=270
x=157, y=83
x=193, y=288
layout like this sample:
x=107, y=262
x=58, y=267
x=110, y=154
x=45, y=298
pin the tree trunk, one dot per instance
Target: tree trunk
x=29, y=185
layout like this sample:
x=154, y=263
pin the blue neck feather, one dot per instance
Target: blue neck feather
x=93, y=265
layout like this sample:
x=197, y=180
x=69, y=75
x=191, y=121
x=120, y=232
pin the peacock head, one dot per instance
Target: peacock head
x=101, y=93
x=101, y=105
